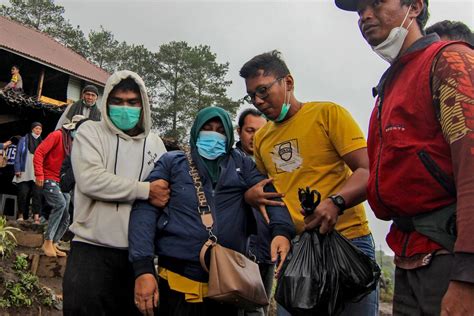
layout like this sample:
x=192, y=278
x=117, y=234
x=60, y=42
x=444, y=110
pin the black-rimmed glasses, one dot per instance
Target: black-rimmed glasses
x=262, y=92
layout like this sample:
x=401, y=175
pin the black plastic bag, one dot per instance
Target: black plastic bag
x=301, y=275
x=322, y=272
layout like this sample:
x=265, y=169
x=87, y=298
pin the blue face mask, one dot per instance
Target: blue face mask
x=124, y=117
x=73, y=133
x=211, y=145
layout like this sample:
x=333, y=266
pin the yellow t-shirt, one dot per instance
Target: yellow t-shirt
x=306, y=150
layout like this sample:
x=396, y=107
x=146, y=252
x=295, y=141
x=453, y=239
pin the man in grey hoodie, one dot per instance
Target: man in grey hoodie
x=110, y=159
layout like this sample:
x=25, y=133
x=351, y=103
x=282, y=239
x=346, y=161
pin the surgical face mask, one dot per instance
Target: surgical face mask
x=73, y=133
x=124, y=117
x=211, y=145
x=389, y=49
x=285, y=107
x=35, y=136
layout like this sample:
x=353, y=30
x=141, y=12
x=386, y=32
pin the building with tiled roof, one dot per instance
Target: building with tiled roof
x=53, y=76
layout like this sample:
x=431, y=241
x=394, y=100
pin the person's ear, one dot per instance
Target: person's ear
x=290, y=82
x=416, y=9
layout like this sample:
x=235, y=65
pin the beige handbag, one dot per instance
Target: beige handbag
x=3, y=159
x=233, y=278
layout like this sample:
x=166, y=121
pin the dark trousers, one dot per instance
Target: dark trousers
x=173, y=303
x=98, y=281
x=420, y=291
x=26, y=191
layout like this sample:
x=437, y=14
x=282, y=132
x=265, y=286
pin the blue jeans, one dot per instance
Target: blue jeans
x=369, y=305
x=59, y=217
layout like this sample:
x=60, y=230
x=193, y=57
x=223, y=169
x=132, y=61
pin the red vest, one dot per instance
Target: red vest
x=410, y=161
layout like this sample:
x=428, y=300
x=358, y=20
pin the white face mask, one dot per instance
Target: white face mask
x=389, y=49
x=35, y=136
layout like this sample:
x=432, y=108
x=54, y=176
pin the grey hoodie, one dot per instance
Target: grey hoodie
x=109, y=167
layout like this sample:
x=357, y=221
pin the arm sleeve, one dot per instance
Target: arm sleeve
x=92, y=177
x=141, y=237
x=258, y=156
x=280, y=219
x=142, y=226
x=343, y=131
x=453, y=97
x=19, y=154
x=40, y=153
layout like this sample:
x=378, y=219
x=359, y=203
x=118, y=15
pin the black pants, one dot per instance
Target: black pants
x=173, y=303
x=98, y=281
x=26, y=191
x=420, y=291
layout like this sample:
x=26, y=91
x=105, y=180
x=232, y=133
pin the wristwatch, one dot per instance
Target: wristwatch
x=339, y=202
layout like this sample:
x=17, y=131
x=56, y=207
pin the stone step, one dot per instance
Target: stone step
x=47, y=267
x=29, y=239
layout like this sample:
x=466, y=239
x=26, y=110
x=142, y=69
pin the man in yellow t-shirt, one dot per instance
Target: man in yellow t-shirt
x=315, y=144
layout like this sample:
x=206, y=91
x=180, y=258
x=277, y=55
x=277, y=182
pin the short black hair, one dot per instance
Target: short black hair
x=270, y=63
x=422, y=18
x=16, y=66
x=127, y=84
x=453, y=30
x=246, y=113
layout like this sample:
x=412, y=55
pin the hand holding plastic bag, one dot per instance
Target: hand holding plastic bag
x=322, y=272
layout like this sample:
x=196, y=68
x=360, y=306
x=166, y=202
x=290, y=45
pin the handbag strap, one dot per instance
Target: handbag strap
x=202, y=254
x=203, y=209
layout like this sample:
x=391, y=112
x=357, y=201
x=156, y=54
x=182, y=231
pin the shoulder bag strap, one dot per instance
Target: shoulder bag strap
x=203, y=209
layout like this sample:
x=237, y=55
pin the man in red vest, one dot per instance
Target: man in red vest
x=421, y=152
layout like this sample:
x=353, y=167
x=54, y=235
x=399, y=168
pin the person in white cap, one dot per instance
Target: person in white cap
x=47, y=161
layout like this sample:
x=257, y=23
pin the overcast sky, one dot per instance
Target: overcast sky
x=321, y=44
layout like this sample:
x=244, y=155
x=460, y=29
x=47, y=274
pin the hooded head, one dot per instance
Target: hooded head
x=142, y=128
x=210, y=113
x=211, y=148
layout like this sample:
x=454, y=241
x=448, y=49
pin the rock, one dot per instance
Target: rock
x=48, y=267
x=28, y=239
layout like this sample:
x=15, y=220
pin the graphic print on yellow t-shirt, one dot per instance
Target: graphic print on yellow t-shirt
x=307, y=150
x=286, y=156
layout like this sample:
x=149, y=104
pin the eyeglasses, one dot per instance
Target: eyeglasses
x=262, y=92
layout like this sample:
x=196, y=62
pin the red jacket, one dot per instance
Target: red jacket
x=410, y=161
x=49, y=157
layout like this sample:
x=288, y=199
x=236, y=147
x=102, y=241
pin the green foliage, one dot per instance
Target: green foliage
x=103, y=49
x=16, y=295
x=387, y=277
x=181, y=79
x=45, y=297
x=24, y=289
x=42, y=15
x=139, y=59
x=21, y=262
x=29, y=281
x=7, y=239
x=190, y=78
